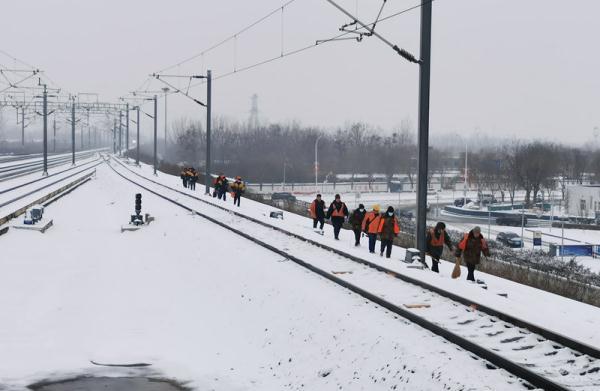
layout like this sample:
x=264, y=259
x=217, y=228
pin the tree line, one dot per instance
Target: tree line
x=261, y=154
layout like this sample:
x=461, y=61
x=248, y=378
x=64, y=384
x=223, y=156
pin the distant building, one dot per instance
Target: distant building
x=583, y=200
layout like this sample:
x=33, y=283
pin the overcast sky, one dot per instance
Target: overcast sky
x=503, y=67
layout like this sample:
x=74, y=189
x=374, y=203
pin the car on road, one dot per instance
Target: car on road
x=509, y=239
x=511, y=219
x=283, y=196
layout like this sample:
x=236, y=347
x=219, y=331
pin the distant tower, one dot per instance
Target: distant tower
x=253, y=121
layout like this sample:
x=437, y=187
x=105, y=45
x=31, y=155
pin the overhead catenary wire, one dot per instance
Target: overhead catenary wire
x=311, y=46
x=229, y=38
x=344, y=33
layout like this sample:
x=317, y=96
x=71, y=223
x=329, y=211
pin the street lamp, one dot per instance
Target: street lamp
x=317, y=164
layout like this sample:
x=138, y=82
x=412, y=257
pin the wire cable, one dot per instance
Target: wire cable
x=311, y=46
x=229, y=38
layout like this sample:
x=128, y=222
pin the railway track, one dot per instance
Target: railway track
x=537, y=356
x=13, y=171
x=66, y=187
x=45, y=178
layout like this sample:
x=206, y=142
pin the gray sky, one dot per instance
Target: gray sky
x=503, y=67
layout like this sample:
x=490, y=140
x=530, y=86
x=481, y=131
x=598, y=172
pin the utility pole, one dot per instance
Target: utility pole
x=424, y=79
x=45, y=114
x=54, y=133
x=81, y=134
x=208, y=129
x=120, y=131
x=165, y=90
x=208, y=106
x=127, y=130
x=115, y=136
x=89, y=131
x=23, y=126
x=155, y=132
x=137, y=144
x=424, y=88
x=73, y=131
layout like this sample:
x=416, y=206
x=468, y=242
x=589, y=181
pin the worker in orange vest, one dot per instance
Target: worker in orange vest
x=370, y=226
x=337, y=213
x=471, y=247
x=388, y=230
x=436, y=238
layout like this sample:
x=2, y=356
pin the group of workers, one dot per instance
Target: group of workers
x=385, y=225
x=189, y=177
x=221, y=187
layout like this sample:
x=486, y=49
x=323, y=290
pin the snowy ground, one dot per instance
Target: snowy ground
x=202, y=305
x=574, y=319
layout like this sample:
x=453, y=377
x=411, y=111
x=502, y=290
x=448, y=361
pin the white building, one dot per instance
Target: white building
x=583, y=200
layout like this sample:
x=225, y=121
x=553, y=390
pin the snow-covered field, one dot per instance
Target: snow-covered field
x=202, y=305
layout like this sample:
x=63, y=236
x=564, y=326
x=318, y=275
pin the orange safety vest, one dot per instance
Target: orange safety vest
x=338, y=212
x=370, y=223
x=313, y=209
x=396, y=228
x=437, y=242
x=463, y=244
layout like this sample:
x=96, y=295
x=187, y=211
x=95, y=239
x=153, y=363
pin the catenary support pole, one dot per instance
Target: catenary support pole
x=73, y=132
x=120, y=132
x=81, y=136
x=137, y=143
x=45, y=114
x=208, y=130
x=166, y=89
x=127, y=130
x=22, y=126
x=54, y=133
x=115, y=136
x=89, y=131
x=424, y=86
x=155, y=133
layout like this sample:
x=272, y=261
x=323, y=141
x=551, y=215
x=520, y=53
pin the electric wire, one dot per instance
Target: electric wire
x=311, y=46
x=344, y=33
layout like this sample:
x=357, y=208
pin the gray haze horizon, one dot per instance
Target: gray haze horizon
x=501, y=69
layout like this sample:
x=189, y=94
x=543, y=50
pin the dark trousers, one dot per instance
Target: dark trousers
x=357, y=232
x=372, y=242
x=193, y=185
x=236, y=199
x=319, y=220
x=337, y=227
x=184, y=182
x=386, y=244
x=222, y=195
x=434, y=264
x=471, y=273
